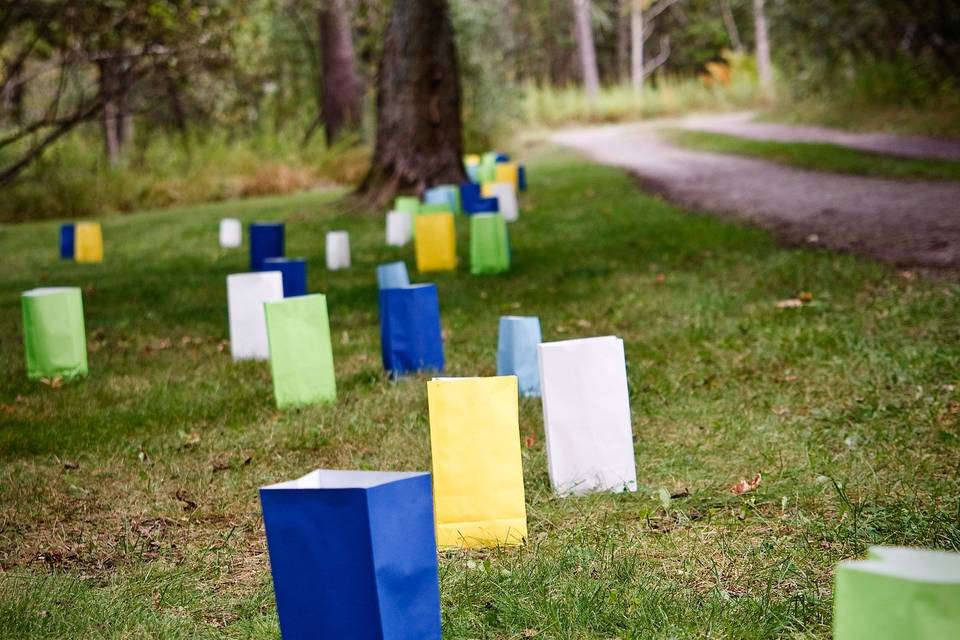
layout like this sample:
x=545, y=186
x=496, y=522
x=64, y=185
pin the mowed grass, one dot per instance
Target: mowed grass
x=818, y=156
x=128, y=501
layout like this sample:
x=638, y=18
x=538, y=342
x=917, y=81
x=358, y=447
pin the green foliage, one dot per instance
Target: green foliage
x=819, y=157
x=847, y=405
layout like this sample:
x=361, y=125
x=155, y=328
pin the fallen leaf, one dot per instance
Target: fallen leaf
x=906, y=275
x=790, y=303
x=530, y=440
x=683, y=492
x=746, y=485
x=805, y=297
x=54, y=383
x=222, y=345
x=188, y=504
x=660, y=279
x=69, y=464
x=584, y=324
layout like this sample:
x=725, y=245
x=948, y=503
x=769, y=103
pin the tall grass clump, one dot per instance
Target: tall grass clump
x=73, y=179
x=901, y=95
x=722, y=87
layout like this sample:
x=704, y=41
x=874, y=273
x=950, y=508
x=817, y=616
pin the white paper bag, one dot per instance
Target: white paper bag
x=506, y=197
x=399, y=228
x=231, y=233
x=586, y=416
x=246, y=293
x=338, y=250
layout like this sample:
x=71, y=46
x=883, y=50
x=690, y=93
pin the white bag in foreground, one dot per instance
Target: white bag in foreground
x=586, y=416
x=338, y=250
x=231, y=233
x=246, y=293
x=399, y=228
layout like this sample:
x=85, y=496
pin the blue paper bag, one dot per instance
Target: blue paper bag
x=66, y=241
x=517, y=352
x=471, y=200
x=502, y=157
x=354, y=555
x=266, y=241
x=392, y=275
x=447, y=194
x=410, y=335
x=522, y=178
x=294, y=272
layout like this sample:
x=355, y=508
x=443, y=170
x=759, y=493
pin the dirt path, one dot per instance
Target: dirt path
x=741, y=124
x=910, y=224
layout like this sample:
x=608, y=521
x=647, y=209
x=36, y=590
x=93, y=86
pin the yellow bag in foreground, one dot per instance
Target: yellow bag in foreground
x=435, y=237
x=88, y=242
x=477, y=475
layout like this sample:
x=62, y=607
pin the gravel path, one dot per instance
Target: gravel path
x=740, y=124
x=907, y=223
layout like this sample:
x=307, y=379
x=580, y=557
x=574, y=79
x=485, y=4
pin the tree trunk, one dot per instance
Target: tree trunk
x=764, y=66
x=340, y=84
x=731, y=24
x=419, y=127
x=588, y=53
x=115, y=118
x=623, y=40
x=636, y=45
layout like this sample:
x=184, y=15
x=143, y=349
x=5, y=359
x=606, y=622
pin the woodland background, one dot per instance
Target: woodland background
x=116, y=105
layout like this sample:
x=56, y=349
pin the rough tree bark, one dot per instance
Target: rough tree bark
x=764, y=66
x=588, y=53
x=419, y=123
x=341, y=88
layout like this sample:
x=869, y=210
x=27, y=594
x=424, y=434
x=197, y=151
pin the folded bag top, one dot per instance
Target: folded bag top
x=353, y=555
x=898, y=592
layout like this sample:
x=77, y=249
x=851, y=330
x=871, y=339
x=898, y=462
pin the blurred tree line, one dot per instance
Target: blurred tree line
x=130, y=71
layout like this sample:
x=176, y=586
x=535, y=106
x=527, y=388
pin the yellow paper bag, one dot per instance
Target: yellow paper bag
x=88, y=242
x=508, y=172
x=477, y=475
x=436, y=242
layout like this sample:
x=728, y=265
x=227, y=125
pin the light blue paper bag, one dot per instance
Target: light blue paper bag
x=447, y=194
x=517, y=352
x=392, y=275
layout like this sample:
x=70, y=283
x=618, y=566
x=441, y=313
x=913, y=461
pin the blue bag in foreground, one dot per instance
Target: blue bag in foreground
x=354, y=555
x=391, y=275
x=410, y=335
x=66, y=241
x=294, y=272
x=266, y=241
x=517, y=352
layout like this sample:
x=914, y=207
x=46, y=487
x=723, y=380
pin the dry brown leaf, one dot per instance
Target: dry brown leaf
x=530, y=440
x=584, y=324
x=660, y=279
x=746, y=485
x=188, y=504
x=54, y=383
x=805, y=297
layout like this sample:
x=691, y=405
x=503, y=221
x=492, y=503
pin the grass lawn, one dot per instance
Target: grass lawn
x=817, y=156
x=128, y=503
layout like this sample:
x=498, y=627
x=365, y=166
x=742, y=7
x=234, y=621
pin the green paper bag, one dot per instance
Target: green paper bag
x=489, y=244
x=54, y=339
x=301, y=357
x=898, y=593
x=488, y=167
x=409, y=204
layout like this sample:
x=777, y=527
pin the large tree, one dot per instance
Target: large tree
x=342, y=90
x=419, y=122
